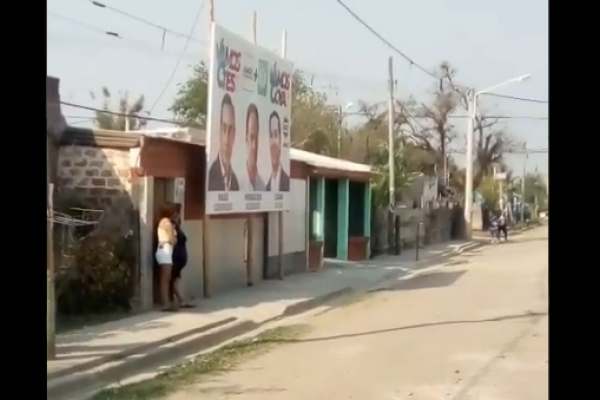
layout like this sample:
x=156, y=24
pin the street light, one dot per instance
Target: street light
x=472, y=98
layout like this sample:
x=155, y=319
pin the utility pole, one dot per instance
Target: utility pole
x=50, y=296
x=472, y=110
x=501, y=192
x=391, y=163
x=339, y=131
x=211, y=11
x=523, y=186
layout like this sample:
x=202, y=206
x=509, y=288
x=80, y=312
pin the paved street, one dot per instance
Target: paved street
x=475, y=329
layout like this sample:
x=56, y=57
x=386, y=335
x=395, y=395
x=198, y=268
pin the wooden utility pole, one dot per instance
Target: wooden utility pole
x=212, y=12
x=391, y=160
x=280, y=272
x=206, y=276
x=249, y=222
x=50, y=296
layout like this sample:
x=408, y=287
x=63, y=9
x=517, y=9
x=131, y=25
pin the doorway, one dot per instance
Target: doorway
x=164, y=191
x=356, y=205
x=331, y=218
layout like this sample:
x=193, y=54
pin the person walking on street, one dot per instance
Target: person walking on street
x=502, y=226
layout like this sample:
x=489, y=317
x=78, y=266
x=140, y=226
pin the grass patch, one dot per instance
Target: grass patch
x=218, y=361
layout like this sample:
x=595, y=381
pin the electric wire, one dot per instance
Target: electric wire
x=173, y=122
x=312, y=74
x=83, y=24
x=181, y=55
x=385, y=41
x=504, y=96
x=118, y=114
x=147, y=22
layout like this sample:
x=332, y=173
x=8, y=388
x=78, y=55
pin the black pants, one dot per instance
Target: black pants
x=503, y=231
x=175, y=274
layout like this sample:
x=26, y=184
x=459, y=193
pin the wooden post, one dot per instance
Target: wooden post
x=206, y=284
x=280, y=272
x=50, y=294
x=249, y=221
x=212, y=12
x=206, y=278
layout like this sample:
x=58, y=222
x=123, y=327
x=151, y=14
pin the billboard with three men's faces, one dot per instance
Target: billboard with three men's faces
x=248, y=127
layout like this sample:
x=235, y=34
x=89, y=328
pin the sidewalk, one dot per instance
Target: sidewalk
x=108, y=352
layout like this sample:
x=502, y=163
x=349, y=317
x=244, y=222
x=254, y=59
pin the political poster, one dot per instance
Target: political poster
x=248, y=127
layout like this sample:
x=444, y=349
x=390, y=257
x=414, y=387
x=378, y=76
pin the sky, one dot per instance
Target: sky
x=488, y=42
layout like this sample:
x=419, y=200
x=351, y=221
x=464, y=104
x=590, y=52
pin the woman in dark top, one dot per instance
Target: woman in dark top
x=180, y=257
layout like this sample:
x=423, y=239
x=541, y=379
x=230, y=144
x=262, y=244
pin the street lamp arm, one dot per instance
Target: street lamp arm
x=508, y=82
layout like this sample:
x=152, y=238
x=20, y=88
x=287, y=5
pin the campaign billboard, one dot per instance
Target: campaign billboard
x=248, y=127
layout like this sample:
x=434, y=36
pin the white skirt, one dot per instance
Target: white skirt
x=164, y=254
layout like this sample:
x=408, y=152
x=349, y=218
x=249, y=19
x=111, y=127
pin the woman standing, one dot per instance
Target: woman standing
x=180, y=257
x=167, y=239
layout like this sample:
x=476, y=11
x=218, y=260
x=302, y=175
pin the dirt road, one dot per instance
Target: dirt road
x=476, y=329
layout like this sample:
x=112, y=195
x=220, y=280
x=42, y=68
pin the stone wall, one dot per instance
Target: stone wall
x=103, y=180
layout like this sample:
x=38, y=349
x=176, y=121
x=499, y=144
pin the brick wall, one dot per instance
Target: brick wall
x=102, y=178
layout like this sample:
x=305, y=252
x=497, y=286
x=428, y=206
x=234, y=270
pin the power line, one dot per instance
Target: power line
x=524, y=152
x=503, y=117
x=384, y=40
x=135, y=43
x=147, y=22
x=503, y=96
x=411, y=61
x=176, y=67
x=118, y=114
x=310, y=74
x=83, y=24
x=173, y=122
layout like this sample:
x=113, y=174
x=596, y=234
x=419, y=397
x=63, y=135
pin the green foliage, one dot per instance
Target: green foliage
x=489, y=190
x=315, y=125
x=191, y=103
x=312, y=120
x=99, y=278
x=114, y=118
x=402, y=175
x=536, y=190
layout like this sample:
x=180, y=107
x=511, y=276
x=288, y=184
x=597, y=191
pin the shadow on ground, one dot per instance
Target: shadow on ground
x=425, y=281
x=527, y=315
x=234, y=390
x=524, y=240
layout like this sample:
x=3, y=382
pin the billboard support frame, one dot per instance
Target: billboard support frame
x=249, y=221
x=280, y=272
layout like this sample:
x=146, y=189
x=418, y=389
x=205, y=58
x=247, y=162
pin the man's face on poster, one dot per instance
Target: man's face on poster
x=252, y=139
x=275, y=142
x=226, y=134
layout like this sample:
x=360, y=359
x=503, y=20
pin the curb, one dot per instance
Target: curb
x=154, y=355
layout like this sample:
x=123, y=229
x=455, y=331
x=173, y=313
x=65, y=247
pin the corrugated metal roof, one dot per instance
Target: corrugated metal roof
x=318, y=160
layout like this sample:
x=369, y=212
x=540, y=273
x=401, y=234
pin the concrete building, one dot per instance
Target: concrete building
x=130, y=174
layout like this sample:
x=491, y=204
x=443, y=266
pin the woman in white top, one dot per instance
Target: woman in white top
x=167, y=237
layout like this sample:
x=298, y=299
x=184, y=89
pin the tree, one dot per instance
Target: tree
x=491, y=142
x=116, y=119
x=438, y=131
x=536, y=190
x=313, y=123
x=402, y=175
x=489, y=191
x=191, y=103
